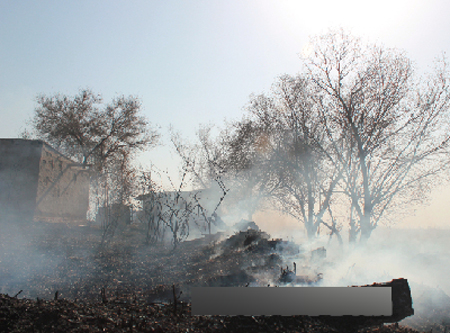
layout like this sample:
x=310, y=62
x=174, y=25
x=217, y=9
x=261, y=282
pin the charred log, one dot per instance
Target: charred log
x=287, y=276
x=401, y=308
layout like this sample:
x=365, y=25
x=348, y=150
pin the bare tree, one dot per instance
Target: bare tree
x=78, y=126
x=280, y=152
x=248, y=151
x=163, y=211
x=388, y=129
x=151, y=207
x=358, y=122
x=174, y=210
x=312, y=171
x=202, y=162
x=105, y=137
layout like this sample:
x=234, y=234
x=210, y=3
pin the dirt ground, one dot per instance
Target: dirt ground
x=57, y=278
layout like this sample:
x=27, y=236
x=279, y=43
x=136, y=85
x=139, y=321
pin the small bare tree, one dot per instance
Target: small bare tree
x=202, y=161
x=151, y=207
x=173, y=210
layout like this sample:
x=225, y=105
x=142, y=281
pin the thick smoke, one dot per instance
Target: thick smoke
x=420, y=255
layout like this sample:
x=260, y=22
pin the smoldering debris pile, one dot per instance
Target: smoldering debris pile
x=257, y=241
x=261, y=261
x=242, y=239
x=78, y=286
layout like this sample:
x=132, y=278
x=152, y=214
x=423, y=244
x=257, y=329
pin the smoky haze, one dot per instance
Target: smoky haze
x=31, y=252
x=420, y=255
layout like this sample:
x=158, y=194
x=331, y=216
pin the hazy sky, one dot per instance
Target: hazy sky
x=190, y=62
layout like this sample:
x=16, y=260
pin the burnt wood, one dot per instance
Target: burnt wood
x=401, y=308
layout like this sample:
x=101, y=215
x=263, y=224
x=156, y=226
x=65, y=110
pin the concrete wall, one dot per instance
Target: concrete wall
x=19, y=172
x=116, y=214
x=63, y=189
x=39, y=183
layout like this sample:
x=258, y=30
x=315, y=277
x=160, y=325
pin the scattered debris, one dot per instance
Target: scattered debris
x=264, y=245
x=244, y=238
x=245, y=225
x=288, y=276
x=239, y=278
x=162, y=294
x=273, y=260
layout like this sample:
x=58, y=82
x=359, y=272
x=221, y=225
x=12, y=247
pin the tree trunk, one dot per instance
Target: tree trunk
x=353, y=231
x=366, y=229
x=311, y=229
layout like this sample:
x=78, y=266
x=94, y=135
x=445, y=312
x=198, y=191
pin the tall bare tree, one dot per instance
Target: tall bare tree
x=394, y=125
x=313, y=173
x=280, y=153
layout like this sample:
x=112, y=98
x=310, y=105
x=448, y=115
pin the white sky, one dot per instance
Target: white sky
x=190, y=62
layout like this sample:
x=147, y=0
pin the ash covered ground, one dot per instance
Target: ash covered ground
x=57, y=278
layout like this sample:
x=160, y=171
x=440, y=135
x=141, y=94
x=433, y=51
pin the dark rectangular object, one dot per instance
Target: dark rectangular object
x=401, y=308
x=290, y=301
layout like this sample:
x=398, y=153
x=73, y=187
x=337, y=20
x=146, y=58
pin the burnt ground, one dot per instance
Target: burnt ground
x=56, y=278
